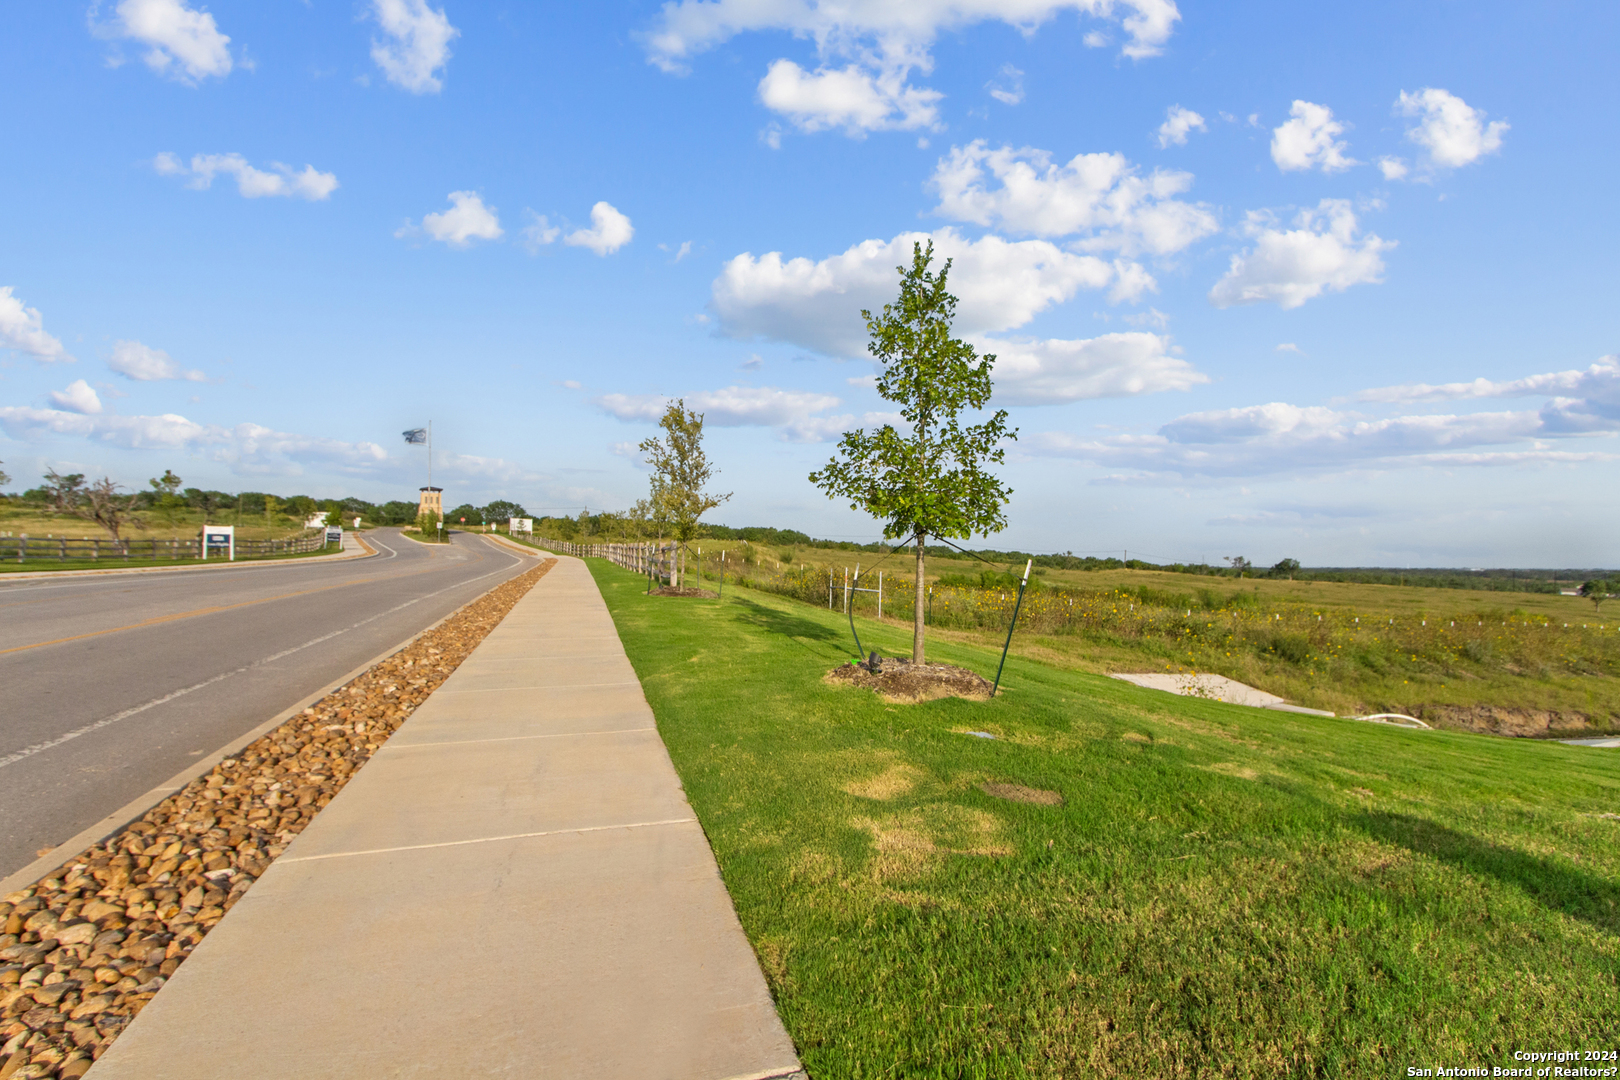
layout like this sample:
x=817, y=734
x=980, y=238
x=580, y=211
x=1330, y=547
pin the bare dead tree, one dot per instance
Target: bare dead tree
x=107, y=505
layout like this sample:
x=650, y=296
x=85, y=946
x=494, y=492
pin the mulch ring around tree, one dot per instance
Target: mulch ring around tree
x=669, y=590
x=899, y=681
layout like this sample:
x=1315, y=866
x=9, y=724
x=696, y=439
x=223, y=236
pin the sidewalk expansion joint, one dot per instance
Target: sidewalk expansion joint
x=512, y=738
x=488, y=840
x=552, y=686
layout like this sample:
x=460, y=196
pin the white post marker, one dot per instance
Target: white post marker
x=219, y=538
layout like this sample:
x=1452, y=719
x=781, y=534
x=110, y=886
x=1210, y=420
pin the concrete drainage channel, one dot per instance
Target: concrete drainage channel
x=83, y=950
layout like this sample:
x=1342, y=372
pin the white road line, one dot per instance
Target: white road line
x=395, y=744
x=41, y=747
x=489, y=840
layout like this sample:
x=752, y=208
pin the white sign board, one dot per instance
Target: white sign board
x=334, y=535
x=219, y=539
x=521, y=525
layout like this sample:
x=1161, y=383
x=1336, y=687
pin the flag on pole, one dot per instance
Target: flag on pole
x=416, y=435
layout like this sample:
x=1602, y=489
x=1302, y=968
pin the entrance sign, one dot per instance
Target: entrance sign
x=334, y=535
x=220, y=539
x=520, y=525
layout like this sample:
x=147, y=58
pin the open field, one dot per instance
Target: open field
x=1222, y=892
x=1518, y=663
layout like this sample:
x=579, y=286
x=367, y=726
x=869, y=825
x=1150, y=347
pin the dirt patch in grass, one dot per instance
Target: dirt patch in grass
x=666, y=590
x=898, y=780
x=1521, y=723
x=1020, y=793
x=914, y=842
x=899, y=681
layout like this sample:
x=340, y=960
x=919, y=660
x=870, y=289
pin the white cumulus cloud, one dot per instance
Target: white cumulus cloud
x=1323, y=252
x=143, y=363
x=252, y=183
x=1056, y=371
x=538, y=232
x=850, y=98
x=1178, y=123
x=792, y=413
x=247, y=448
x=1278, y=437
x=182, y=43
x=609, y=231
x=415, y=43
x=1310, y=140
x=79, y=397
x=1012, y=91
x=1393, y=168
x=686, y=28
x=22, y=329
x=1452, y=132
x=880, y=44
x=1000, y=284
x=1101, y=196
x=468, y=219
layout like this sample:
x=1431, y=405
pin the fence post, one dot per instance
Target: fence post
x=846, y=590
x=880, y=596
x=63, y=556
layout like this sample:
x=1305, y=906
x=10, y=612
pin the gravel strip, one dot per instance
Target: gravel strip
x=84, y=950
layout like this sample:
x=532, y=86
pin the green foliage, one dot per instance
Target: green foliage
x=63, y=494
x=1597, y=591
x=1286, y=568
x=465, y=514
x=929, y=481
x=500, y=510
x=681, y=472
x=427, y=524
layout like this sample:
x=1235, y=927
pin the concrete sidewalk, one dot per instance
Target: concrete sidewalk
x=514, y=886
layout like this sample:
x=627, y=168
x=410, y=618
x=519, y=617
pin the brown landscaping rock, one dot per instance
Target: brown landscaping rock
x=899, y=681
x=110, y=926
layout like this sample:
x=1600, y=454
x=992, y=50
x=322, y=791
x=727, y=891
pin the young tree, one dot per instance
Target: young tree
x=681, y=471
x=1240, y=564
x=106, y=505
x=165, y=494
x=1597, y=592
x=931, y=479
x=4, y=479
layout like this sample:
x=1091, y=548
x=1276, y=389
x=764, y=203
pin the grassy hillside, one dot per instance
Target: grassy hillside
x=1222, y=891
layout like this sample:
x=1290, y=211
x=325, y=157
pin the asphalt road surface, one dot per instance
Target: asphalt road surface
x=110, y=685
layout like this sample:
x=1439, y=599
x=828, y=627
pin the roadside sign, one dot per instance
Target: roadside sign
x=520, y=525
x=334, y=535
x=219, y=539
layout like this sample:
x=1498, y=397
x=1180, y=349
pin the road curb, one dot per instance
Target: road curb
x=135, y=809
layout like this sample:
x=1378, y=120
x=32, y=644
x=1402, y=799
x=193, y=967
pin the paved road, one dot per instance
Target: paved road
x=111, y=685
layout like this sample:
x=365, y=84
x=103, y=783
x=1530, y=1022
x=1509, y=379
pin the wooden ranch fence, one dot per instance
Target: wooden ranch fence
x=62, y=549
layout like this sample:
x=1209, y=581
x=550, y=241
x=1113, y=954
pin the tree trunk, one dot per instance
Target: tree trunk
x=920, y=606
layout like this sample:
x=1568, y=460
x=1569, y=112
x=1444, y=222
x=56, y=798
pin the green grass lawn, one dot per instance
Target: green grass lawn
x=1223, y=891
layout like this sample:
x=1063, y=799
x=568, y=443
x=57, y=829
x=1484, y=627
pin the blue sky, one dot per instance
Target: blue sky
x=1329, y=282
